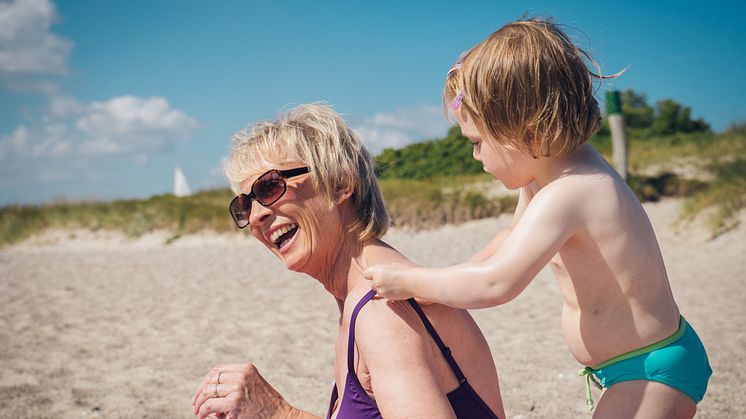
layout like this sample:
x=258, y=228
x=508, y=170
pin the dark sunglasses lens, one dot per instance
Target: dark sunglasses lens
x=269, y=188
x=240, y=207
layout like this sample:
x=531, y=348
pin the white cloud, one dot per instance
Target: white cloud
x=26, y=44
x=217, y=170
x=28, y=83
x=216, y=177
x=64, y=106
x=51, y=141
x=376, y=138
x=76, y=140
x=14, y=141
x=70, y=141
x=31, y=155
x=402, y=127
x=131, y=125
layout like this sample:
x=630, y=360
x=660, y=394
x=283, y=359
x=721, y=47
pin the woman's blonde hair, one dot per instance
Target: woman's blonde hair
x=528, y=87
x=316, y=135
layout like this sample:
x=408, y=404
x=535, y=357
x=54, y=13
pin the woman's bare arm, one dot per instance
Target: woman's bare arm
x=394, y=347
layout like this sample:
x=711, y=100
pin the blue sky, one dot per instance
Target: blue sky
x=102, y=99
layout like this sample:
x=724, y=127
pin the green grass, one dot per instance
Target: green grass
x=426, y=203
x=204, y=210
x=722, y=199
x=698, y=149
x=413, y=203
x=653, y=188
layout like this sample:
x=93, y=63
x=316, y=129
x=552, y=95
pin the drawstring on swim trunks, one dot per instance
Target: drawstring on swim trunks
x=589, y=378
x=587, y=372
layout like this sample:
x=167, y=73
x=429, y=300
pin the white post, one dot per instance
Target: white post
x=618, y=139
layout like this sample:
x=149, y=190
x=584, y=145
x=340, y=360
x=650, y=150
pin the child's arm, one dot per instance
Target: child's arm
x=495, y=244
x=547, y=223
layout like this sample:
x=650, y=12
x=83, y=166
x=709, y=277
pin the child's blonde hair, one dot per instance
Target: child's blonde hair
x=527, y=86
x=316, y=135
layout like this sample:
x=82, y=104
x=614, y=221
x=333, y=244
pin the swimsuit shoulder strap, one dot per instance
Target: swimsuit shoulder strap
x=445, y=350
x=351, y=339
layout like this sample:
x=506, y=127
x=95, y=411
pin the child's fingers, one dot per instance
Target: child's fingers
x=372, y=271
x=375, y=274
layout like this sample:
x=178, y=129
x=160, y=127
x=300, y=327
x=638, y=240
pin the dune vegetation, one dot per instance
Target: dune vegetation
x=435, y=182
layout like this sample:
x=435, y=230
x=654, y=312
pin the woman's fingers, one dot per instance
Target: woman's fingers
x=224, y=393
x=220, y=382
x=220, y=407
x=207, y=392
x=208, y=378
x=213, y=392
x=218, y=375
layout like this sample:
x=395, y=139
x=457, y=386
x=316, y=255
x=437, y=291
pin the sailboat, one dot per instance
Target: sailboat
x=181, y=187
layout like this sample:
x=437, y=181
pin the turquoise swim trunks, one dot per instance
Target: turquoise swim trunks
x=679, y=361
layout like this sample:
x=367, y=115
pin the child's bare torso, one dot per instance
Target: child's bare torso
x=616, y=293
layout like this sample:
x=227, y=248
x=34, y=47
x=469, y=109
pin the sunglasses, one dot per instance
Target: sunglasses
x=266, y=190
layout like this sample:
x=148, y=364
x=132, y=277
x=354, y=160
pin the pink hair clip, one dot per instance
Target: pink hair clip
x=457, y=100
x=460, y=96
x=453, y=68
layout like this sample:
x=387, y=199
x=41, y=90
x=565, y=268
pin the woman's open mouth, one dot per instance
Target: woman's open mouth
x=282, y=235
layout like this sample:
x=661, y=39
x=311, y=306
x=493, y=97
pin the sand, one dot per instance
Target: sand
x=94, y=325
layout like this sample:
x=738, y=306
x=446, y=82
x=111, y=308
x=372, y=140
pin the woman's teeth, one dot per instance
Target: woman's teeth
x=280, y=231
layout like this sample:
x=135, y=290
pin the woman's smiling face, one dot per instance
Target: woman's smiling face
x=302, y=227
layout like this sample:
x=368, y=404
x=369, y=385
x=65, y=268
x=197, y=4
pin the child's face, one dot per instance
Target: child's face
x=504, y=164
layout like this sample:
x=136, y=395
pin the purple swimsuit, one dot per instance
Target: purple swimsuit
x=356, y=403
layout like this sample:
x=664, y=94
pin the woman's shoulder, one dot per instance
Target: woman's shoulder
x=378, y=252
x=390, y=333
x=375, y=310
x=388, y=324
x=378, y=317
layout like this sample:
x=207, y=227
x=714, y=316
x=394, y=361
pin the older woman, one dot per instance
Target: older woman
x=308, y=192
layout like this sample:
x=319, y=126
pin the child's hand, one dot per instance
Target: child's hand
x=389, y=281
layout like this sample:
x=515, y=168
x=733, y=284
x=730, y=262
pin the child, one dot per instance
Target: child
x=524, y=98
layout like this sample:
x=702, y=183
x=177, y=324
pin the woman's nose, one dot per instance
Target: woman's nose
x=259, y=213
x=475, y=153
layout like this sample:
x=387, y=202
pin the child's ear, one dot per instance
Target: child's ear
x=463, y=114
x=343, y=193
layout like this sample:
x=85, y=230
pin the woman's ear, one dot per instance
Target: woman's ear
x=342, y=193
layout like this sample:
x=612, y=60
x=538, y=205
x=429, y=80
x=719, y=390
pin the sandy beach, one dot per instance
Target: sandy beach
x=95, y=325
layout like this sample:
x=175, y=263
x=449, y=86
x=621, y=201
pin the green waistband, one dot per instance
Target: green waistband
x=587, y=372
x=645, y=349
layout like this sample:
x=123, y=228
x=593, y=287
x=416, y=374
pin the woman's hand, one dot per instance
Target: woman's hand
x=238, y=392
x=389, y=281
